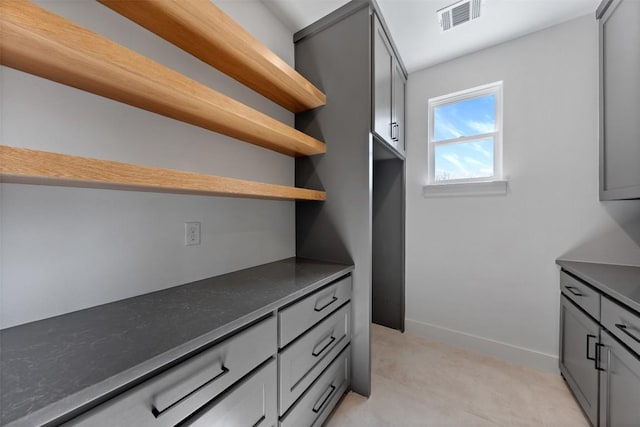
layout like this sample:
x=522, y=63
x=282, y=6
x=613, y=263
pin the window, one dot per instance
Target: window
x=465, y=136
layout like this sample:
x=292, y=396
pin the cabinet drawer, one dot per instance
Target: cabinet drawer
x=622, y=323
x=175, y=394
x=250, y=403
x=585, y=297
x=316, y=404
x=299, y=317
x=302, y=362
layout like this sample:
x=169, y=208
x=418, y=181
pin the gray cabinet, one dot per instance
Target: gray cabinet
x=600, y=353
x=399, y=87
x=388, y=203
x=253, y=376
x=179, y=393
x=619, y=384
x=302, y=362
x=316, y=404
x=619, y=366
x=624, y=324
x=578, y=337
x=320, y=342
x=586, y=298
x=619, y=22
x=388, y=89
x=337, y=55
x=250, y=403
x=382, y=81
x=299, y=317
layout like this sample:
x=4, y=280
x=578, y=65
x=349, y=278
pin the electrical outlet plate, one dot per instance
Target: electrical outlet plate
x=191, y=233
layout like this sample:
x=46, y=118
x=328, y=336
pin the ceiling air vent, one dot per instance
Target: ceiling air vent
x=458, y=13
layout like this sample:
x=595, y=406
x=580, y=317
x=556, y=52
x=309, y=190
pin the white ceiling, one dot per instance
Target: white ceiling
x=416, y=32
x=298, y=14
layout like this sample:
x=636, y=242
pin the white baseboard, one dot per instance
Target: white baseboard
x=500, y=350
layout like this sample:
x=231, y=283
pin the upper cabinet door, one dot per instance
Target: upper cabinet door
x=382, y=81
x=619, y=99
x=399, y=88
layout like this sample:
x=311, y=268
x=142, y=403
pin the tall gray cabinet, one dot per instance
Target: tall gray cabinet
x=337, y=54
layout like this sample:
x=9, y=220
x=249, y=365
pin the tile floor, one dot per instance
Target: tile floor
x=416, y=382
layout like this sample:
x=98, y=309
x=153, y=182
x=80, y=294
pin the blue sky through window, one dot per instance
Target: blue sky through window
x=464, y=160
x=469, y=159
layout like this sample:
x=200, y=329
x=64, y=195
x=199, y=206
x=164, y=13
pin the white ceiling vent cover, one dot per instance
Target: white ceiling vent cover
x=458, y=13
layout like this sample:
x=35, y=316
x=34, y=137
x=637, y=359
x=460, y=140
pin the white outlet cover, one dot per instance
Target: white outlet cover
x=191, y=233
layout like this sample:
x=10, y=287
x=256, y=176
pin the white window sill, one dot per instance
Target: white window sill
x=487, y=188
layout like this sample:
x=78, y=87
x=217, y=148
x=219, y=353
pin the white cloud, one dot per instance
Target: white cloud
x=444, y=125
x=475, y=162
x=480, y=149
x=455, y=160
x=481, y=127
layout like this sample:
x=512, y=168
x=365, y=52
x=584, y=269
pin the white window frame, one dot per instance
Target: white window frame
x=476, y=92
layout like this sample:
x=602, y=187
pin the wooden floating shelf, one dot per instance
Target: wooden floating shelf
x=20, y=165
x=203, y=30
x=39, y=42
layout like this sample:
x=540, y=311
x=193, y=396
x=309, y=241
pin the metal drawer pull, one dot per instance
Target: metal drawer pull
x=395, y=127
x=598, y=353
x=260, y=421
x=162, y=401
x=334, y=299
x=588, y=338
x=318, y=406
x=624, y=329
x=574, y=291
x=317, y=353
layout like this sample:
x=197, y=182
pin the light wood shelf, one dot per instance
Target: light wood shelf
x=44, y=44
x=21, y=165
x=206, y=32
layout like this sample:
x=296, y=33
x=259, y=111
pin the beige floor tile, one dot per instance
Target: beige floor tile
x=416, y=382
x=392, y=404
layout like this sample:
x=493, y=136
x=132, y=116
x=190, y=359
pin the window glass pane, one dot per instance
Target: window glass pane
x=464, y=160
x=470, y=117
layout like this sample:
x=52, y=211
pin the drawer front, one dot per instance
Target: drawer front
x=299, y=317
x=622, y=323
x=250, y=403
x=173, y=395
x=302, y=362
x=585, y=297
x=319, y=400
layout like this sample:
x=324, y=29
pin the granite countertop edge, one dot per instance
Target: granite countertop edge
x=92, y=396
x=577, y=268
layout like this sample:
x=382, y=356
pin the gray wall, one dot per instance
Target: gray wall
x=64, y=249
x=480, y=270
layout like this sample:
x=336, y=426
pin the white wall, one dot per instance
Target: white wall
x=481, y=271
x=64, y=249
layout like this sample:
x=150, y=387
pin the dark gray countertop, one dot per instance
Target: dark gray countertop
x=55, y=366
x=621, y=283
